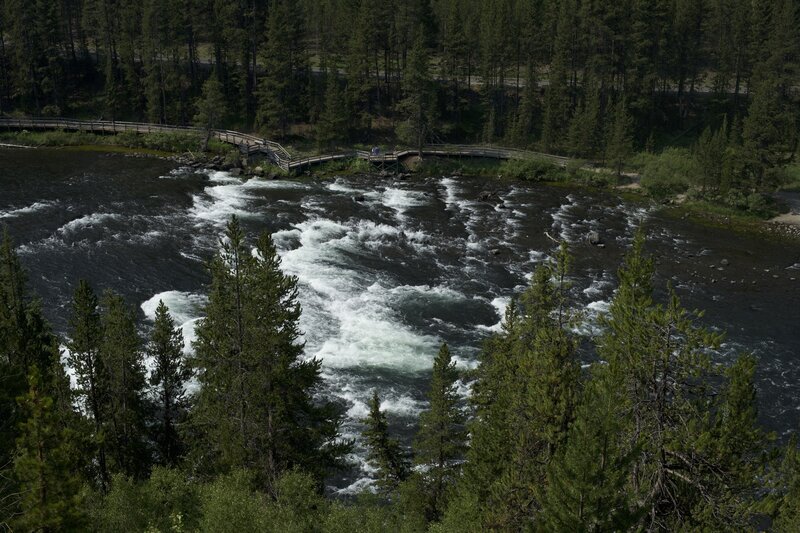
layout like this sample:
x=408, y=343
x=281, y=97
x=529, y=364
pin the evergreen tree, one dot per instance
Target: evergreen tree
x=711, y=152
x=680, y=477
x=586, y=487
x=50, y=493
x=524, y=397
x=527, y=110
x=25, y=341
x=557, y=96
x=83, y=345
x=168, y=378
x=275, y=87
x=334, y=120
x=384, y=452
x=584, y=131
x=123, y=378
x=418, y=105
x=211, y=107
x=441, y=438
x=787, y=488
x=619, y=145
x=255, y=407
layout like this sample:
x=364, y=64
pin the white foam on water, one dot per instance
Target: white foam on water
x=500, y=304
x=340, y=186
x=184, y=307
x=401, y=200
x=349, y=318
x=34, y=208
x=87, y=221
x=258, y=183
x=220, y=202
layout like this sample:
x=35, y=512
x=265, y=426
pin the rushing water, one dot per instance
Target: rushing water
x=387, y=269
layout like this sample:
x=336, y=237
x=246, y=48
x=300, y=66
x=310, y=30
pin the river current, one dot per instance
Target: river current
x=387, y=269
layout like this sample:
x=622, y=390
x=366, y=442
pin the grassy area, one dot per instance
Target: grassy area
x=149, y=143
x=792, y=178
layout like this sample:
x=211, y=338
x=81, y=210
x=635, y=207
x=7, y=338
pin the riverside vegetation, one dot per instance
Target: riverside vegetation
x=652, y=436
x=705, y=92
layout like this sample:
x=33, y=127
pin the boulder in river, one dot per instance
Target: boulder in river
x=724, y=262
x=594, y=238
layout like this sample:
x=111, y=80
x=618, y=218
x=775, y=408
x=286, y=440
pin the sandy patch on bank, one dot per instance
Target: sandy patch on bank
x=788, y=218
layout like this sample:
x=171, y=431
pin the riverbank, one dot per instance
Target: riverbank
x=183, y=149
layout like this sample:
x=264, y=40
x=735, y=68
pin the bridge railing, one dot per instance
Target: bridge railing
x=117, y=126
x=276, y=152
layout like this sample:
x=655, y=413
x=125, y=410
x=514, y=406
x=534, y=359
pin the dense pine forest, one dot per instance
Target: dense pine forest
x=713, y=81
x=232, y=436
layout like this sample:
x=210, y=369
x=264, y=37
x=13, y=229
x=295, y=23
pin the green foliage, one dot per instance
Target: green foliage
x=333, y=124
x=671, y=172
x=524, y=398
x=123, y=379
x=50, y=491
x=586, y=482
x=441, y=437
x=169, y=377
x=531, y=170
x=384, y=452
x=230, y=505
x=619, y=145
x=418, y=104
x=211, y=106
x=255, y=407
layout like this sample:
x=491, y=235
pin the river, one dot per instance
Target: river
x=387, y=269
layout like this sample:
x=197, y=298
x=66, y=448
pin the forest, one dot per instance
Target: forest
x=709, y=86
x=233, y=435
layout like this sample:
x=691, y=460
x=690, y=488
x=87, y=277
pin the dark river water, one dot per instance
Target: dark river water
x=386, y=279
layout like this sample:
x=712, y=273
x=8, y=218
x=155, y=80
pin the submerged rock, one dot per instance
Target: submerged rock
x=594, y=238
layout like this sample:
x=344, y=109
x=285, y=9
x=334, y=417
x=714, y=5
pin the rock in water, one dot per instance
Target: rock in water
x=594, y=238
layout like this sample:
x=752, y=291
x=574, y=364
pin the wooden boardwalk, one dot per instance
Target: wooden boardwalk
x=277, y=154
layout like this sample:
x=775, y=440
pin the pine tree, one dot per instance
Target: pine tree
x=334, y=121
x=51, y=496
x=557, y=95
x=441, y=437
x=586, y=483
x=619, y=145
x=787, y=489
x=25, y=341
x=685, y=462
x=384, y=452
x=418, y=104
x=524, y=397
x=274, y=87
x=711, y=153
x=83, y=345
x=124, y=381
x=169, y=377
x=583, y=136
x=738, y=451
x=211, y=107
x=527, y=110
x=255, y=407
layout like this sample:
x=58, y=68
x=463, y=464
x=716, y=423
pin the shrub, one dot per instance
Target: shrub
x=532, y=170
x=670, y=173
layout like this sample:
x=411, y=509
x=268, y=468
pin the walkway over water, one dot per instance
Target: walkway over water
x=277, y=154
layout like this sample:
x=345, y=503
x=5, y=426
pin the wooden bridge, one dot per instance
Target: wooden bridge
x=277, y=154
